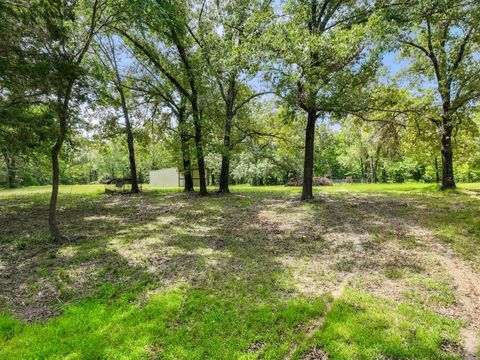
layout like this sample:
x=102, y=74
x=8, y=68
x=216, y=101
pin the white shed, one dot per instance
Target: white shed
x=172, y=177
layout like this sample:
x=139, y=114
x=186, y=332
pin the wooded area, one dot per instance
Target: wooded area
x=240, y=87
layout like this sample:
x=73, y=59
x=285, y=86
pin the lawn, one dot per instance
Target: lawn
x=361, y=272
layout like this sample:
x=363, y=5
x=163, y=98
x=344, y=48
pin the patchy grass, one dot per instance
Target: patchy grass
x=361, y=326
x=245, y=276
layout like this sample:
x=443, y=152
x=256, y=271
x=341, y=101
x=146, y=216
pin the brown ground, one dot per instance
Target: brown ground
x=369, y=242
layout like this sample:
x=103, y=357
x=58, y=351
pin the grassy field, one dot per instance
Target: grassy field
x=361, y=272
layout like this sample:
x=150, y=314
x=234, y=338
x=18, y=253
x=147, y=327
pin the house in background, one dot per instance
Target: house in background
x=172, y=177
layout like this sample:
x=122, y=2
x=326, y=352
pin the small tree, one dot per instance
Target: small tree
x=65, y=30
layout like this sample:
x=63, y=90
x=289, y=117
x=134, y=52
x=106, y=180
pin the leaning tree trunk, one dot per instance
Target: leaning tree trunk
x=52, y=211
x=130, y=139
x=307, y=192
x=187, y=165
x=448, y=179
x=199, y=146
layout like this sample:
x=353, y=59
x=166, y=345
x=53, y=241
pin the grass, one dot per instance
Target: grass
x=246, y=276
x=181, y=323
x=360, y=326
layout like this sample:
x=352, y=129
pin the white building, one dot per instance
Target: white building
x=172, y=177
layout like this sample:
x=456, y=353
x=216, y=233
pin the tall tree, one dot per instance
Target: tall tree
x=232, y=58
x=108, y=56
x=163, y=93
x=23, y=68
x=165, y=38
x=441, y=39
x=321, y=58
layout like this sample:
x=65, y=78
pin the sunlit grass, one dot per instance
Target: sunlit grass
x=182, y=323
x=361, y=326
x=93, y=189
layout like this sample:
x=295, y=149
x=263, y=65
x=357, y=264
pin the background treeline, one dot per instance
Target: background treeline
x=341, y=152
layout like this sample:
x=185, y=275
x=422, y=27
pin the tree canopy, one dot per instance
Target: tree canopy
x=259, y=92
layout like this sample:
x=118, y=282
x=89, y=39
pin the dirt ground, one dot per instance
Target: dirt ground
x=376, y=243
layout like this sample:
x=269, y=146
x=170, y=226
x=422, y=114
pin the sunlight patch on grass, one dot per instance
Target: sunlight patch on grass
x=361, y=326
x=182, y=323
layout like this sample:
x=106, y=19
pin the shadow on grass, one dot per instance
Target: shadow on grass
x=177, y=275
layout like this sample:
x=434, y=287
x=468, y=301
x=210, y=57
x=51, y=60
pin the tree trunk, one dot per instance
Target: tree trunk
x=130, y=140
x=362, y=168
x=448, y=180
x=366, y=169
x=225, y=171
x=52, y=211
x=384, y=174
x=63, y=114
x=11, y=169
x=199, y=145
x=187, y=165
x=374, y=165
x=227, y=146
x=437, y=173
x=307, y=192
x=55, y=152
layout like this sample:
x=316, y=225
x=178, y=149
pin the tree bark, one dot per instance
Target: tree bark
x=448, y=179
x=199, y=145
x=225, y=171
x=373, y=169
x=11, y=169
x=224, y=175
x=307, y=192
x=55, y=152
x=185, y=148
x=227, y=146
x=130, y=139
x=52, y=211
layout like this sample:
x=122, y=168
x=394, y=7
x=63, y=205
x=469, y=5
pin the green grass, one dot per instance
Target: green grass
x=183, y=323
x=174, y=276
x=360, y=326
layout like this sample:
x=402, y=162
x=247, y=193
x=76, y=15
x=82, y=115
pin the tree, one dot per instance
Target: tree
x=66, y=30
x=24, y=121
x=167, y=26
x=108, y=57
x=323, y=59
x=232, y=59
x=163, y=93
x=440, y=38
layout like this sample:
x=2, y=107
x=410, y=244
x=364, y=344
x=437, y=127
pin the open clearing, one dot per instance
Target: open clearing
x=361, y=272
